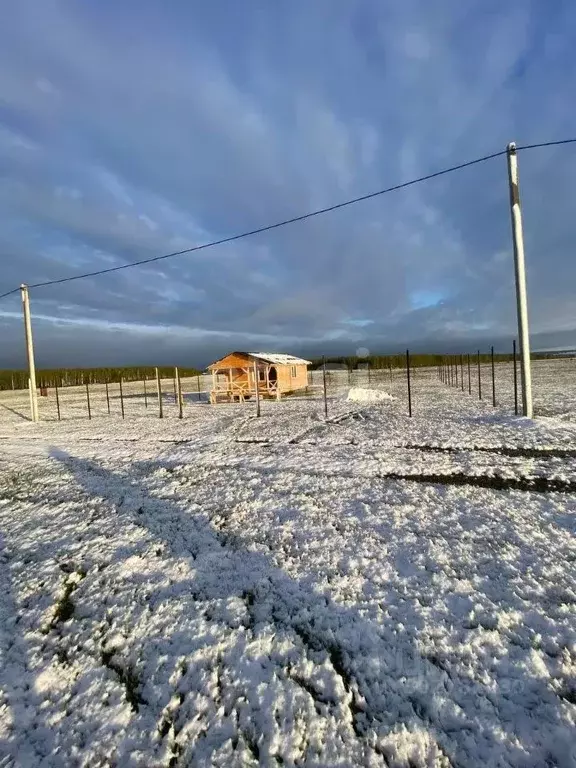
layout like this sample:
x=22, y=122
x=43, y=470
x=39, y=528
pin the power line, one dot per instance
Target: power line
x=292, y=220
x=547, y=144
x=269, y=227
x=9, y=293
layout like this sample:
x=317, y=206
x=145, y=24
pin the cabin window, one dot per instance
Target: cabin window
x=293, y=371
x=261, y=374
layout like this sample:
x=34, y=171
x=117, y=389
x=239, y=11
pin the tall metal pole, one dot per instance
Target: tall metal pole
x=520, y=274
x=30, y=353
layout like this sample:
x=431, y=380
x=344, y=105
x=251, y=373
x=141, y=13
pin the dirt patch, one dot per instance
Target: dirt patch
x=521, y=452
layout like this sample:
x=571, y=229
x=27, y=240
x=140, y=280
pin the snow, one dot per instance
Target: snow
x=280, y=358
x=231, y=591
x=364, y=395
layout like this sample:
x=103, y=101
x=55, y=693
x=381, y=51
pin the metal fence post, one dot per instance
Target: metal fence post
x=324, y=387
x=515, y=378
x=179, y=392
x=493, y=377
x=408, y=382
x=159, y=391
x=121, y=397
x=257, y=389
x=57, y=399
x=88, y=401
x=479, y=379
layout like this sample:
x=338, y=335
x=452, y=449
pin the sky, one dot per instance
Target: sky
x=130, y=129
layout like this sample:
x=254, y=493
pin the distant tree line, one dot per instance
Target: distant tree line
x=72, y=377
x=417, y=361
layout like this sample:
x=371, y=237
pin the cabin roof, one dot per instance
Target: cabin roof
x=279, y=359
x=275, y=358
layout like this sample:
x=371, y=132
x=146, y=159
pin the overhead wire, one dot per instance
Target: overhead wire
x=292, y=220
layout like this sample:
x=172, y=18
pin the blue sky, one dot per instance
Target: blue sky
x=131, y=129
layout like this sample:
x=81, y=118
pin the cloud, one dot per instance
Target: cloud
x=124, y=137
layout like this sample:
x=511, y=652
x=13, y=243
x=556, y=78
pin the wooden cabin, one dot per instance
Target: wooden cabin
x=234, y=376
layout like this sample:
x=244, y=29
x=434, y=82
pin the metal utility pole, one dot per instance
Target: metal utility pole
x=520, y=274
x=30, y=353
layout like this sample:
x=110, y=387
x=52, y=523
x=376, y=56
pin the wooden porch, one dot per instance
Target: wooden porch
x=235, y=385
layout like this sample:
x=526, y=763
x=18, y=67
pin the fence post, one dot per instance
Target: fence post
x=469, y=377
x=515, y=378
x=159, y=390
x=408, y=382
x=198, y=386
x=479, y=379
x=462, y=371
x=145, y=394
x=107, y=397
x=178, y=392
x=256, y=389
x=324, y=386
x=57, y=399
x=88, y=401
x=174, y=382
x=493, y=378
x=121, y=398
x=456, y=370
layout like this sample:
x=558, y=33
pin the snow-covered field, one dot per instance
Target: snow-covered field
x=223, y=590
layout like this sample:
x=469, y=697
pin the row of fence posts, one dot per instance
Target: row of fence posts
x=448, y=374
x=178, y=396
x=450, y=371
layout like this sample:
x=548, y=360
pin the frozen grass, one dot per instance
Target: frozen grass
x=225, y=590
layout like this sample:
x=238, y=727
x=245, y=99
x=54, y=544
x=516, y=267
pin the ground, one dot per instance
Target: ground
x=224, y=590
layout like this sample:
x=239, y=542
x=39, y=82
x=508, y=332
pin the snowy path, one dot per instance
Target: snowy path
x=212, y=602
